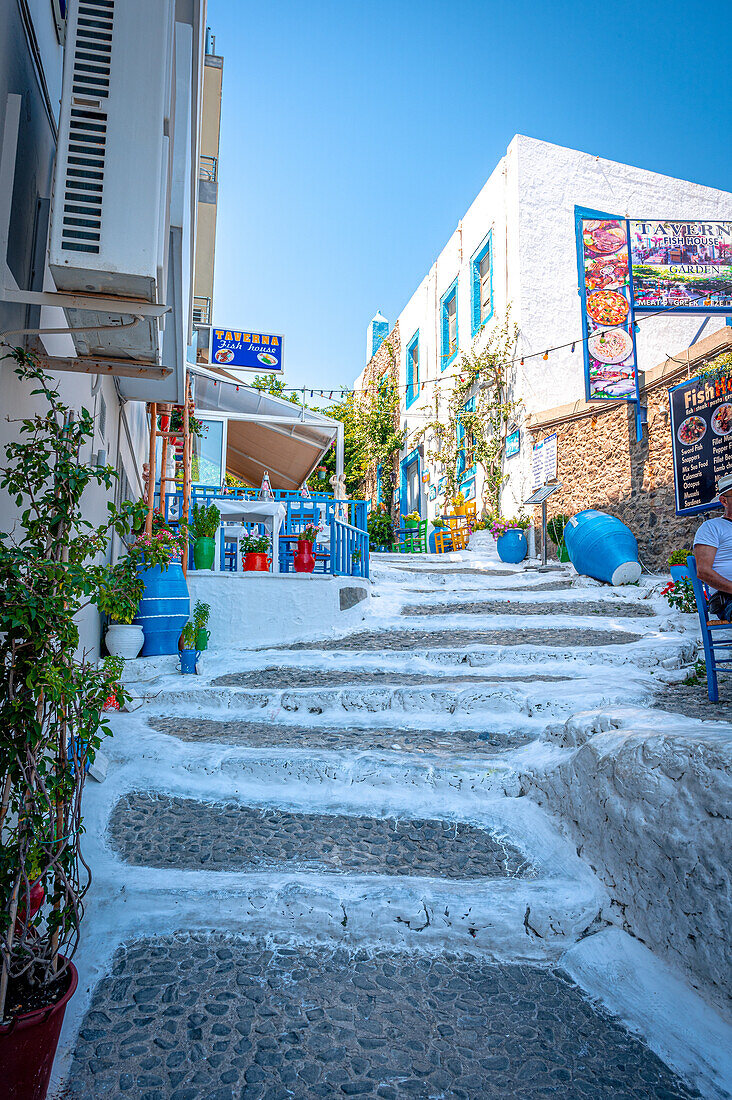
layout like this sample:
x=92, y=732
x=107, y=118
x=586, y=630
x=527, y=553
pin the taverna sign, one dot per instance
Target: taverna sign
x=257, y=351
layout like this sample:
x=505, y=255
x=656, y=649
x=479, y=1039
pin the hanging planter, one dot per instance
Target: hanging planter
x=322, y=471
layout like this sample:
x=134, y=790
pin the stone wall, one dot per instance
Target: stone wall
x=386, y=359
x=601, y=465
x=650, y=811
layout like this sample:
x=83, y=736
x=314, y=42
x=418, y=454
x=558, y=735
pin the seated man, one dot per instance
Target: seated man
x=713, y=553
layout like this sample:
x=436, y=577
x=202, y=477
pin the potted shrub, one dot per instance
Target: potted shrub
x=204, y=528
x=201, y=612
x=255, y=549
x=677, y=565
x=51, y=703
x=555, y=529
x=381, y=535
x=304, y=561
x=188, y=654
x=412, y=520
x=322, y=471
x=510, y=539
x=165, y=604
x=458, y=504
x=119, y=598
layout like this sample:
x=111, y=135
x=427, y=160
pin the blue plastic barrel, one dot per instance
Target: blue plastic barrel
x=164, y=608
x=601, y=546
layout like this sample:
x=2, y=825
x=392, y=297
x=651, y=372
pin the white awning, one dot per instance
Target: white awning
x=265, y=432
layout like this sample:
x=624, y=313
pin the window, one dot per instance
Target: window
x=207, y=458
x=481, y=289
x=449, y=325
x=413, y=368
x=466, y=444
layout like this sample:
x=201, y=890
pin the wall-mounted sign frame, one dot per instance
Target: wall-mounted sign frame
x=255, y=351
x=513, y=443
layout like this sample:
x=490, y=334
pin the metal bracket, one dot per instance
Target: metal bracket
x=641, y=420
x=92, y=302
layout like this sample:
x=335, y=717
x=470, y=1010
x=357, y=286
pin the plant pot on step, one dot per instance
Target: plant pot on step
x=204, y=550
x=124, y=640
x=202, y=637
x=512, y=547
x=563, y=552
x=304, y=560
x=188, y=659
x=679, y=573
x=28, y=1046
x=256, y=563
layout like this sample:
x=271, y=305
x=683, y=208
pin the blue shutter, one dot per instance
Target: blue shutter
x=475, y=293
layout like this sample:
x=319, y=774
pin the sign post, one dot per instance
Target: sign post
x=540, y=497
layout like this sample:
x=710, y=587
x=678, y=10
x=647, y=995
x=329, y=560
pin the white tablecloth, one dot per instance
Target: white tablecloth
x=269, y=512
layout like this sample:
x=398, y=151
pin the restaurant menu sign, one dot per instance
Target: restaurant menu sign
x=701, y=440
x=259, y=351
x=684, y=266
x=607, y=322
x=544, y=461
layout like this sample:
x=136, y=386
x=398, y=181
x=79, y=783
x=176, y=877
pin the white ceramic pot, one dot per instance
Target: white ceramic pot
x=124, y=640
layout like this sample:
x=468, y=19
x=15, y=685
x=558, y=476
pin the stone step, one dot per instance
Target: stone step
x=538, y=637
x=577, y=608
x=305, y=1021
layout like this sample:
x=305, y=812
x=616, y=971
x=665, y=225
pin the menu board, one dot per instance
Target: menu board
x=685, y=266
x=701, y=440
x=609, y=343
x=544, y=461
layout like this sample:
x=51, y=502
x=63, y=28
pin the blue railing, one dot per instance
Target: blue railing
x=300, y=510
x=349, y=550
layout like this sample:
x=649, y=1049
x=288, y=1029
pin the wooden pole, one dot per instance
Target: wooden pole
x=186, y=469
x=151, y=468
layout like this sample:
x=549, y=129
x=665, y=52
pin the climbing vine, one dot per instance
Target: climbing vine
x=480, y=433
x=375, y=414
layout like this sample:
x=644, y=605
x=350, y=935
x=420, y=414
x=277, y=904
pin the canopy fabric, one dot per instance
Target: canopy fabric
x=264, y=432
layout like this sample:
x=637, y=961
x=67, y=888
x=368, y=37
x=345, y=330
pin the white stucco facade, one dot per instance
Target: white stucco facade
x=527, y=211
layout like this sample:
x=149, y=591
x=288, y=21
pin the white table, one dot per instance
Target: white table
x=269, y=512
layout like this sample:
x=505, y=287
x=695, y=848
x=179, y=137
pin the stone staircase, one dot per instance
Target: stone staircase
x=317, y=873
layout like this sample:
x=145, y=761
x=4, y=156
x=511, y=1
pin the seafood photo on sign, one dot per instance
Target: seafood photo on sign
x=613, y=346
x=722, y=420
x=692, y=430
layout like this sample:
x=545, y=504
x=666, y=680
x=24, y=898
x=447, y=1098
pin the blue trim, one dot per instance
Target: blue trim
x=412, y=382
x=477, y=321
x=444, y=328
x=461, y=470
x=413, y=456
x=378, y=484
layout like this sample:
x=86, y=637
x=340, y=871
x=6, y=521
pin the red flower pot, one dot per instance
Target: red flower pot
x=304, y=560
x=256, y=563
x=28, y=1046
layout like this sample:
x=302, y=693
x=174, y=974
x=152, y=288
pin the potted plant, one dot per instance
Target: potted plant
x=555, y=529
x=677, y=565
x=201, y=612
x=51, y=702
x=188, y=654
x=412, y=520
x=322, y=471
x=255, y=549
x=304, y=561
x=510, y=539
x=165, y=604
x=204, y=529
x=119, y=598
x=458, y=504
x=381, y=535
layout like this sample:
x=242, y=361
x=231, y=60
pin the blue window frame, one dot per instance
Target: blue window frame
x=413, y=368
x=378, y=484
x=449, y=325
x=466, y=443
x=481, y=285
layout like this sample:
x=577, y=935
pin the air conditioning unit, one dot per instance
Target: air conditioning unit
x=110, y=217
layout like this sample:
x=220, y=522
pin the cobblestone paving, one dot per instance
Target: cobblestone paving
x=549, y=586
x=158, y=831
x=458, y=571
x=273, y=735
x=464, y=639
x=215, y=1018
x=613, y=609
x=693, y=701
x=331, y=677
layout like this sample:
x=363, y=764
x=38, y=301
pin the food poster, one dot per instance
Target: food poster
x=681, y=265
x=701, y=440
x=605, y=289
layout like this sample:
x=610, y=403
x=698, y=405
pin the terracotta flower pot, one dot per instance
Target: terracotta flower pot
x=304, y=560
x=28, y=1046
x=256, y=563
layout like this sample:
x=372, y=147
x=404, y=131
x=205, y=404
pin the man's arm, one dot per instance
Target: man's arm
x=705, y=568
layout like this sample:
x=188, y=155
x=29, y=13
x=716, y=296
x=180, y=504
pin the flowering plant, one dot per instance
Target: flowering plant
x=254, y=544
x=680, y=594
x=310, y=532
x=413, y=517
x=678, y=557
x=501, y=524
x=163, y=546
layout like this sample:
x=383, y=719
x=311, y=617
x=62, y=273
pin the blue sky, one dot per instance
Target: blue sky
x=356, y=133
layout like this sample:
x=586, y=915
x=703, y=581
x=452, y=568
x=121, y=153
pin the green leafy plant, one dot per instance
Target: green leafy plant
x=678, y=557
x=188, y=635
x=413, y=517
x=680, y=594
x=201, y=612
x=161, y=547
x=379, y=528
x=555, y=528
x=206, y=521
x=310, y=532
x=121, y=591
x=254, y=544
x=51, y=699
x=195, y=426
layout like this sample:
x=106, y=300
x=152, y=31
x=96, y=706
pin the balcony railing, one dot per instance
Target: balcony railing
x=208, y=168
x=201, y=311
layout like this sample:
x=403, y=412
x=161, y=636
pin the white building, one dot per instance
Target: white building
x=515, y=247
x=99, y=162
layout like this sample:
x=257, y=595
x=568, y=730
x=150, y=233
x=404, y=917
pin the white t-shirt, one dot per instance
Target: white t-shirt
x=717, y=532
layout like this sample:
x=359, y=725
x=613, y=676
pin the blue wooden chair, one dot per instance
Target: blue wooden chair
x=713, y=633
